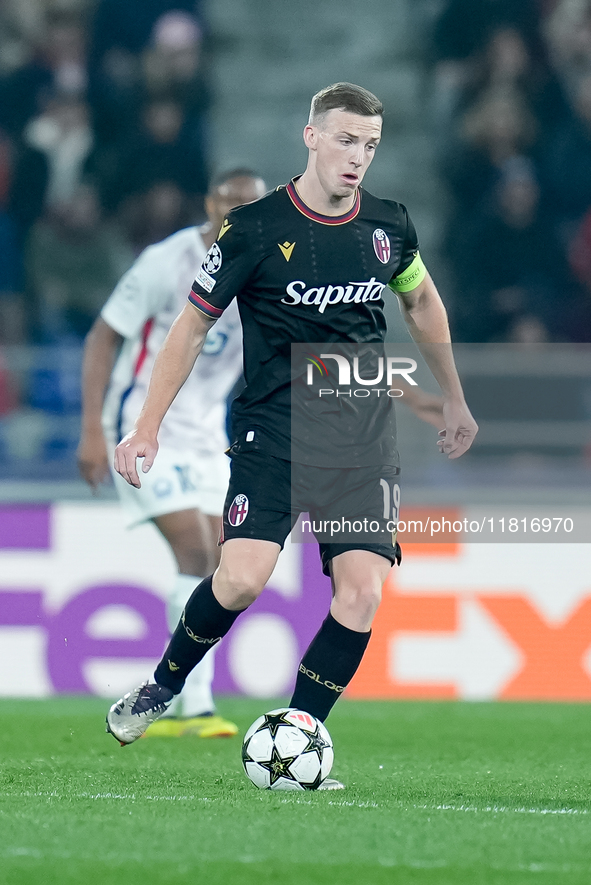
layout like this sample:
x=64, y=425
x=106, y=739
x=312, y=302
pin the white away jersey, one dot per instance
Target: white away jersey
x=142, y=308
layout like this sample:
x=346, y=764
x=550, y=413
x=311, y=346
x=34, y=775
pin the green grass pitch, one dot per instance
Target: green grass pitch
x=436, y=793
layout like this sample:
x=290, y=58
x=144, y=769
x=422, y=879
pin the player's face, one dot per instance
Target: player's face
x=235, y=192
x=344, y=145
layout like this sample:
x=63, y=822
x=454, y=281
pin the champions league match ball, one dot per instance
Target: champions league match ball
x=287, y=749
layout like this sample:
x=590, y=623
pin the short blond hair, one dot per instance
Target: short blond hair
x=345, y=97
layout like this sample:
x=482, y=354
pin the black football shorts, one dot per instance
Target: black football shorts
x=352, y=508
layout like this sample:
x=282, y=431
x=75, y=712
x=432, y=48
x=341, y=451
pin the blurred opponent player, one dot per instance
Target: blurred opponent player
x=313, y=261
x=184, y=494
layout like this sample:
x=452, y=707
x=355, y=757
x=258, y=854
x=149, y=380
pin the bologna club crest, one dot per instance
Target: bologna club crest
x=381, y=245
x=238, y=510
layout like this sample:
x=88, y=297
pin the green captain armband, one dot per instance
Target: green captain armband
x=410, y=278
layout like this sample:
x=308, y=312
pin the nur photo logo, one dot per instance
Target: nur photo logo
x=384, y=370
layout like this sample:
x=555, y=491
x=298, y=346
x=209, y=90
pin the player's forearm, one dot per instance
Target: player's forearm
x=173, y=364
x=426, y=318
x=100, y=349
x=426, y=406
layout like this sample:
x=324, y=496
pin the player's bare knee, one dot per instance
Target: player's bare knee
x=237, y=588
x=359, y=599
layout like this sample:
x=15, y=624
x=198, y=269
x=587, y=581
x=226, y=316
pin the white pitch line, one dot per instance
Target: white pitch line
x=357, y=804
x=500, y=809
x=131, y=797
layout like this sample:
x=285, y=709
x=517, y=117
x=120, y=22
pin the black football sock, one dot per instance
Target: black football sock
x=327, y=667
x=202, y=625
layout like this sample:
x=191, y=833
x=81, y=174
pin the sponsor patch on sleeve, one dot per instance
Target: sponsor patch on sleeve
x=205, y=280
x=410, y=278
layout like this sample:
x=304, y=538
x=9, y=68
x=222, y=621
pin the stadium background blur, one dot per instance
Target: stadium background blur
x=113, y=117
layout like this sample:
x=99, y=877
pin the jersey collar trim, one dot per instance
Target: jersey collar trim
x=316, y=216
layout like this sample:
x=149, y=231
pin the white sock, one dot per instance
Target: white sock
x=195, y=698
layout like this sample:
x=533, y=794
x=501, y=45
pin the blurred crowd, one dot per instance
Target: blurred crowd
x=512, y=105
x=102, y=151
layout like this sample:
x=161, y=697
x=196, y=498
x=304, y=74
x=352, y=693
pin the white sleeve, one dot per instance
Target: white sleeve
x=138, y=295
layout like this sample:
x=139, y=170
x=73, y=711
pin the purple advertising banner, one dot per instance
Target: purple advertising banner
x=53, y=564
x=25, y=527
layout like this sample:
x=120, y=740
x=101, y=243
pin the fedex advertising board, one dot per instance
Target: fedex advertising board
x=82, y=610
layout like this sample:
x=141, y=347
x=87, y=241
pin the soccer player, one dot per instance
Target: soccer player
x=311, y=262
x=184, y=494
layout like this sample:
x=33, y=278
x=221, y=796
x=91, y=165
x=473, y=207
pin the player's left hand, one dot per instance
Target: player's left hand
x=460, y=429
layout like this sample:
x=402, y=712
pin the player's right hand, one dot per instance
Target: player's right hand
x=93, y=460
x=134, y=445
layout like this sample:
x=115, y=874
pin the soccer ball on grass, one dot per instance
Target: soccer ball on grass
x=287, y=749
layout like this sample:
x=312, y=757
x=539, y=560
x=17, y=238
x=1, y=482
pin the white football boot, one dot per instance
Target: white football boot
x=130, y=716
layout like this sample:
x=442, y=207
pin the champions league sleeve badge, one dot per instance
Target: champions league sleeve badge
x=238, y=510
x=213, y=260
x=211, y=264
x=381, y=245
